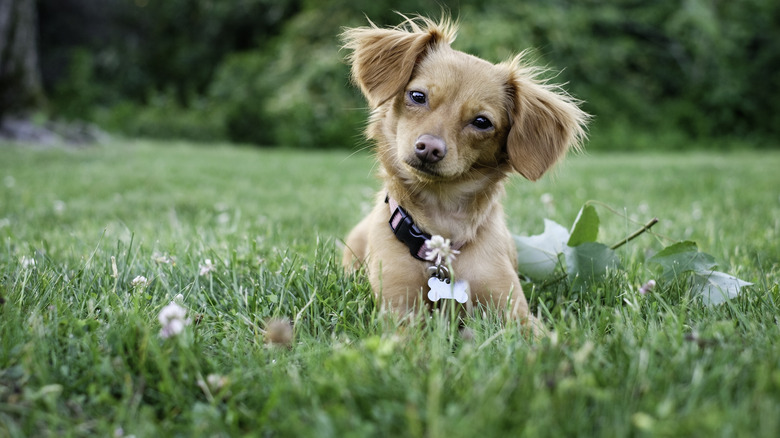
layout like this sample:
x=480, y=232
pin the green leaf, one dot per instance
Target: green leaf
x=537, y=256
x=682, y=257
x=540, y=257
x=585, y=228
x=589, y=262
x=716, y=287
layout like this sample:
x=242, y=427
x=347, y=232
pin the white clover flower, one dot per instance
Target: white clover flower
x=140, y=282
x=213, y=384
x=171, y=312
x=179, y=298
x=173, y=319
x=440, y=250
x=696, y=211
x=159, y=258
x=546, y=198
x=647, y=287
x=27, y=262
x=58, y=206
x=216, y=382
x=207, y=267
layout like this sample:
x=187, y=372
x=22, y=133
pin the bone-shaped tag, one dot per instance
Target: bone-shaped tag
x=442, y=290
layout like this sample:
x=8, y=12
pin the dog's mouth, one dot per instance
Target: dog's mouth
x=433, y=172
x=425, y=170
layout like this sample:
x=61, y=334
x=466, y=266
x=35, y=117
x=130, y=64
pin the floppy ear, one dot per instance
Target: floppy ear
x=546, y=122
x=383, y=59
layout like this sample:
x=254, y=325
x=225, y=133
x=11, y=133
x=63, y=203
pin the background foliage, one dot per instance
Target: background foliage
x=655, y=74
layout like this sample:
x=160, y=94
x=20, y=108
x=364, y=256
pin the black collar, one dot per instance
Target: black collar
x=405, y=230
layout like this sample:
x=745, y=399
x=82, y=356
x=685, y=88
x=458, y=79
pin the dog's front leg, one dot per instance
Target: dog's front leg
x=496, y=285
x=398, y=284
x=356, y=246
x=397, y=278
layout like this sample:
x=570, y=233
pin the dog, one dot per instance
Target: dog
x=449, y=128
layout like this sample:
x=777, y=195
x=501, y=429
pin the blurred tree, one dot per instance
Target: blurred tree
x=301, y=80
x=114, y=50
x=270, y=71
x=20, y=78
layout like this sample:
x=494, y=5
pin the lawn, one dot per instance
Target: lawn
x=242, y=238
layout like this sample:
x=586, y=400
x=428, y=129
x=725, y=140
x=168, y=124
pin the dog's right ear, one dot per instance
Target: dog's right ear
x=383, y=59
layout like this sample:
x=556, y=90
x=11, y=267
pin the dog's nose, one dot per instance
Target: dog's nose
x=430, y=148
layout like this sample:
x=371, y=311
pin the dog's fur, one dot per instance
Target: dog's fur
x=457, y=196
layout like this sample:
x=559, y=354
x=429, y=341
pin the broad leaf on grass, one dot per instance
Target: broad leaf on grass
x=682, y=257
x=589, y=262
x=544, y=256
x=537, y=256
x=585, y=228
x=716, y=287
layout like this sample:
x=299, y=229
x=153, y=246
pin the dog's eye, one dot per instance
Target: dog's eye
x=417, y=96
x=482, y=123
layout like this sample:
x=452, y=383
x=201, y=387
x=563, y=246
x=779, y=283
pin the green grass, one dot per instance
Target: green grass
x=81, y=355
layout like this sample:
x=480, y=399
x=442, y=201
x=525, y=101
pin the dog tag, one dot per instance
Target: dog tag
x=444, y=290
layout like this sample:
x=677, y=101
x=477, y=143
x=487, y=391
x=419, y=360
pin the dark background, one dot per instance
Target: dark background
x=656, y=74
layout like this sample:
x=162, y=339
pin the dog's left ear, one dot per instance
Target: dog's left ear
x=546, y=122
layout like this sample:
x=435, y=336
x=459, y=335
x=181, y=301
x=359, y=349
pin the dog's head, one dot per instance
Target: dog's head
x=443, y=114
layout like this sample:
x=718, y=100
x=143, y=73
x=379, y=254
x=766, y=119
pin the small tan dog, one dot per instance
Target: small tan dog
x=449, y=128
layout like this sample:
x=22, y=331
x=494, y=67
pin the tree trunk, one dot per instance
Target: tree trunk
x=20, y=78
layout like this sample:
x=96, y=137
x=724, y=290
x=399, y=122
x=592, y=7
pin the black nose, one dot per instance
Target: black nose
x=430, y=148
